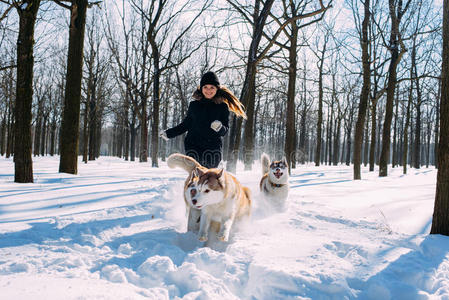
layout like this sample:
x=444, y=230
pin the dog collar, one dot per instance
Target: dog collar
x=276, y=185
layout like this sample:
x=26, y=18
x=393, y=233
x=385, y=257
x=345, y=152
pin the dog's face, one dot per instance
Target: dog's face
x=205, y=188
x=191, y=190
x=278, y=169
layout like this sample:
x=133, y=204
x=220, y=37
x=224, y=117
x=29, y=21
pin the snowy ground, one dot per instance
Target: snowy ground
x=117, y=231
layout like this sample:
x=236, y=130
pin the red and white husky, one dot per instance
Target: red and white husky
x=215, y=193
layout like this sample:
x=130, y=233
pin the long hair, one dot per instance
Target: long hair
x=225, y=95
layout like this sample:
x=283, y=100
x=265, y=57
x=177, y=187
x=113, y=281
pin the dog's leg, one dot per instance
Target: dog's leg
x=204, y=227
x=193, y=220
x=225, y=229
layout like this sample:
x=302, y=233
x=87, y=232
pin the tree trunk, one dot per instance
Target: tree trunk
x=372, y=149
x=53, y=137
x=10, y=142
x=98, y=136
x=336, y=146
x=290, y=126
x=248, y=149
x=366, y=138
x=85, y=129
x=437, y=123
x=429, y=136
x=406, y=126
x=156, y=105
x=248, y=93
x=37, y=130
x=329, y=133
x=23, y=163
x=71, y=116
x=165, y=125
x=440, y=221
x=43, y=135
x=248, y=88
x=392, y=79
x=133, y=134
x=92, y=119
x=358, y=136
x=319, y=125
x=348, y=144
x=395, y=126
x=417, y=152
x=126, y=124
x=3, y=137
x=302, y=139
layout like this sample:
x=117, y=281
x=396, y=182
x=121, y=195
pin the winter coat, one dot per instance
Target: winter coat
x=200, y=138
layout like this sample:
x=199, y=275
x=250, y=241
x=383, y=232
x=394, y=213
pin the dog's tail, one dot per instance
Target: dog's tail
x=247, y=193
x=265, y=161
x=182, y=161
x=248, y=203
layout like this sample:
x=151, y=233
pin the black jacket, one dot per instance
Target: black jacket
x=200, y=115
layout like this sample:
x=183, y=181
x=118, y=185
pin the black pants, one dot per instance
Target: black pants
x=206, y=157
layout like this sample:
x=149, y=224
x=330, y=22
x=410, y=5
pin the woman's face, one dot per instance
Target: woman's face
x=209, y=91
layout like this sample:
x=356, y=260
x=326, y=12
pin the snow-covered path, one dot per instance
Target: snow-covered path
x=117, y=231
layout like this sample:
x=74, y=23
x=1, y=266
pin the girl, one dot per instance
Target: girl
x=207, y=121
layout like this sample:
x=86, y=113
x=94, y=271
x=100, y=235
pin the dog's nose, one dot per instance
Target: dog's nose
x=194, y=201
x=192, y=192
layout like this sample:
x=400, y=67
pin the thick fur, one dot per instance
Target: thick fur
x=274, y=182
x=221, y=199
x=188, y=164
x=216, y=193
x=183, y=161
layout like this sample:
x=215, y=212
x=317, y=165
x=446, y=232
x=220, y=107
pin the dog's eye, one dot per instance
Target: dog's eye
x=207, y=191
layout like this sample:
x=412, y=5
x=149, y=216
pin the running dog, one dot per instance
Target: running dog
x=190, y=188
x=274, y=182
x=216, y=193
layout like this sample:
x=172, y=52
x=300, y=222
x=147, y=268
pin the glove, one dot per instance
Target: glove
x=216, y=125
x=164, y=136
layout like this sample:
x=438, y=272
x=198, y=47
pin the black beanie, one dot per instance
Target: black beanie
x=209, y=78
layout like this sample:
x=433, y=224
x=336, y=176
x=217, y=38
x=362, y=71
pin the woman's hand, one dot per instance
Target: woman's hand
x=164, y=136
x=216, y=125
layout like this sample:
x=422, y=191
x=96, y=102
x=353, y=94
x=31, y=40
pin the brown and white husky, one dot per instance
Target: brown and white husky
x=215, y=193
x=274, y=182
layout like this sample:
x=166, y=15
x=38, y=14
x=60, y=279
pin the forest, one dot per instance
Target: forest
x=324, y=82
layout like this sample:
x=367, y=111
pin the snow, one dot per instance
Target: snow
x=117, y=230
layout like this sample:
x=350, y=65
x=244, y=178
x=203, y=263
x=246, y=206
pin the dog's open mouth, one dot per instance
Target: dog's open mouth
x=278, y=174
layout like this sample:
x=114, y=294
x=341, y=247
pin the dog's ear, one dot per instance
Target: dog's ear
x=220, y=173
x=284, y=160
x=197, y=172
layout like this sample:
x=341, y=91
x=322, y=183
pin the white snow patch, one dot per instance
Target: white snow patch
x=117, y=230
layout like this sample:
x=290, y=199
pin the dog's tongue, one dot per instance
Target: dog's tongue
x=278, y=174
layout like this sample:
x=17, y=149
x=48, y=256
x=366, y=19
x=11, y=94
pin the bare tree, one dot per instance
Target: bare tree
x=257, y=18
x=293, y=11
x=156, y=33
x=397, y=50
x=364, y=95
x=128, y=110
x=23, y=163
x=68, y=162
x=440, y=221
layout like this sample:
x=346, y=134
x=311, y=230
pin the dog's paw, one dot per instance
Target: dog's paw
x=223, y=238
x=203, y=238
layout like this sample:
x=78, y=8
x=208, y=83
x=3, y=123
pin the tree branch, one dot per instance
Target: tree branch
x=322, y=9
x=59, y=2
x=5, y=13
x=4, y=68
